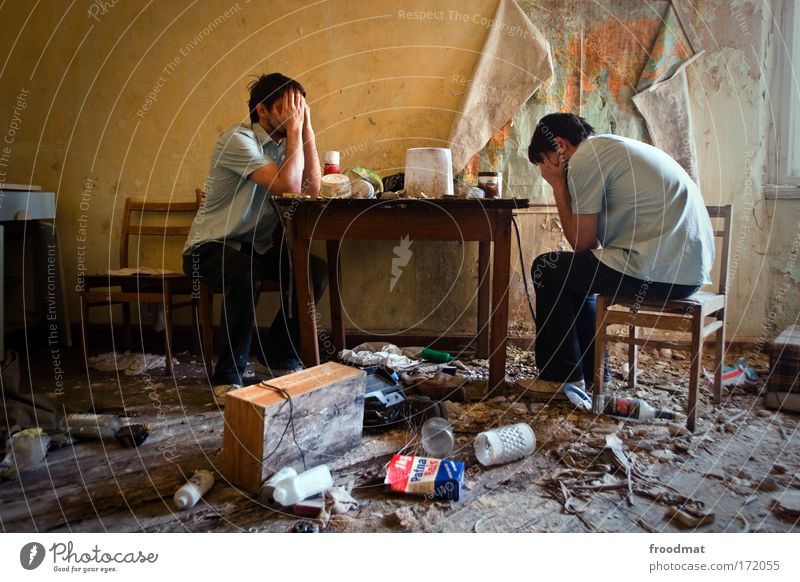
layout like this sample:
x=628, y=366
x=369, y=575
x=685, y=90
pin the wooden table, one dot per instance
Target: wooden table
x=487, y=222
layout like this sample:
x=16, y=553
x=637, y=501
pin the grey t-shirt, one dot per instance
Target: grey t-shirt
x=236, y=209
x=652, y=221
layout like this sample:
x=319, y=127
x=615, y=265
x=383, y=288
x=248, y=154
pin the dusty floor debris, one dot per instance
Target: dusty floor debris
x=588, y=473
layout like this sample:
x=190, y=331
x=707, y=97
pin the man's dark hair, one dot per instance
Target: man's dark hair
x=568, y=126
x=269, y=88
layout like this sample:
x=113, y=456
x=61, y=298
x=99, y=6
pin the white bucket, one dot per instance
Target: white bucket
x=429, y=171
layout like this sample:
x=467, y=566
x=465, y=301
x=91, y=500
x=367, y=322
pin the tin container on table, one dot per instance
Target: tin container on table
x=491, y=183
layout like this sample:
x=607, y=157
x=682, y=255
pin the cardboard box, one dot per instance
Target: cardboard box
x=265, y=432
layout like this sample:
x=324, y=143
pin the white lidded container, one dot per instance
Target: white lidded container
x=307, y=484
x=429, y=171
x=504, y=444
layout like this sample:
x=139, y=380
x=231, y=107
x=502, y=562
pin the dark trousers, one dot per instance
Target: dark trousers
x=566, y=285
x=238, y=275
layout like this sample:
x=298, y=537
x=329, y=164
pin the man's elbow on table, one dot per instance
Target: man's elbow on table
x=270, y=177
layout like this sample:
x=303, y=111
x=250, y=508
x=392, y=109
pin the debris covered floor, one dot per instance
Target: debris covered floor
x=739, y=461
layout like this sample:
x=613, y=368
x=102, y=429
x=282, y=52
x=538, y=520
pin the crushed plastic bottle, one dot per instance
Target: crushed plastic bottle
x=629, y=408
x=437, y=437
x=27, y=450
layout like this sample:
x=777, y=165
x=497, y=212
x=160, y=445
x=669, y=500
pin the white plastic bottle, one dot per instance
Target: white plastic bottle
x=307, y=484
x=191, y=492
x=267, y=492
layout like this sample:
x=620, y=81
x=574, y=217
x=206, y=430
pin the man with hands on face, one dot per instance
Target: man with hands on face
x=638, y=227
x=230, y=243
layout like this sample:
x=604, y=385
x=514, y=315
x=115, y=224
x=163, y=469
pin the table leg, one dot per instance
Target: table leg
x=484, y=285
x=501, y=268
x=334, y=276
x=305, y=310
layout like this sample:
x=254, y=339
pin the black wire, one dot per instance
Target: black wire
x=522, y=268
x=289, y=422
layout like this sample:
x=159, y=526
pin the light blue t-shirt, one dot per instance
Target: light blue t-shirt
x=236, y=209
x=652, y=223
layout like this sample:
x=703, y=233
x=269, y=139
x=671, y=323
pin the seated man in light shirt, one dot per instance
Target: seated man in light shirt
x=637, y=224
x=230, y=242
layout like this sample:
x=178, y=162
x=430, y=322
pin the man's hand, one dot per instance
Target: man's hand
x=553, y=170
x=292, y=112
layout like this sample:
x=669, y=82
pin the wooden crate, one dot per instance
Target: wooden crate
x=327, y=404
x=783, y=386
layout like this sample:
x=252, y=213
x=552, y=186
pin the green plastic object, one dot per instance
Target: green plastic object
x=435, y=356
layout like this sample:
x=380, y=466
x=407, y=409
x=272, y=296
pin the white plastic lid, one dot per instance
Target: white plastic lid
x=331, y=157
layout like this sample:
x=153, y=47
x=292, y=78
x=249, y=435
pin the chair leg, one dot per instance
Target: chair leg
x=168, y=333
x=85, y=328
x=695, y=370
x=599, y=345
x=633, y=352
x=720, y=360
x=196, y=342
x=126, y=326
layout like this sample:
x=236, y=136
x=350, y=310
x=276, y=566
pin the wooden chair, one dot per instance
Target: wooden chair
x=206, y=302
x=143, y=285
x=686, y=315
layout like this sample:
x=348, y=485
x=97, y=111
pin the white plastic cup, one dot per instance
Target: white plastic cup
x=307, y=484
x=504, y=444
x=437, y=437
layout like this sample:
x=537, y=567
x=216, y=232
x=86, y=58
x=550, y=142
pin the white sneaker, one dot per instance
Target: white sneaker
x=221, y=390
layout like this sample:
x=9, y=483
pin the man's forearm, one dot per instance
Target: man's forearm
x=291, y=172
x=561, y=194
x=311, y=173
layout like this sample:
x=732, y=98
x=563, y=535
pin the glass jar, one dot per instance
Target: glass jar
x=491, y=183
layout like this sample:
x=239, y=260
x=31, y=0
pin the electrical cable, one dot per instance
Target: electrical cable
x=522, y=268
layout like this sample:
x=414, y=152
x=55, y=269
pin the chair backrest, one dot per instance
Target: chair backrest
x=136, y=216
x=721, y=218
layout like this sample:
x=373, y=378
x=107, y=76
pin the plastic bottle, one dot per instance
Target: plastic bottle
x=307, y=484
x=190, y=493
x=633, y=408
x=331, y=163
x=437, y=437
x=27, y=451
x=436, y=356
x=504, y=444
x=267, y=491
x=91, y=426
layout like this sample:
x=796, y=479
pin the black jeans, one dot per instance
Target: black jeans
x=238, y=275
x=566, y=285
